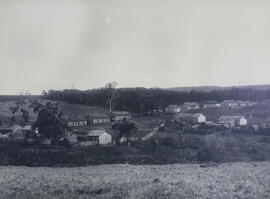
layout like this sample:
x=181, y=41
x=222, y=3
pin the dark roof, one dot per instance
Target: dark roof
x=120, y=113
x=76, y=119
x=98, y=115
x=173, y=106
x=190, y=104
x=188, y=115
x=211, y=102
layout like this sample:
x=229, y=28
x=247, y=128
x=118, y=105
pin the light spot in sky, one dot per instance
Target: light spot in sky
x=108, y=20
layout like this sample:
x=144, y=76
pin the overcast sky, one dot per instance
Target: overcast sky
x=57, y=44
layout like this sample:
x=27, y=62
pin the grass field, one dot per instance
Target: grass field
x=229, y=180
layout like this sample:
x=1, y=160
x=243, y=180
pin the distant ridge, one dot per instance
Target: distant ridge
x=211, y=88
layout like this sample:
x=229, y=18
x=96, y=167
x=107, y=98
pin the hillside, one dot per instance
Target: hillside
x=211, y=88
x=230, y=180
x=75, y=110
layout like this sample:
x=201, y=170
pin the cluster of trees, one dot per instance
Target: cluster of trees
x=20, y=110
x=142, y=100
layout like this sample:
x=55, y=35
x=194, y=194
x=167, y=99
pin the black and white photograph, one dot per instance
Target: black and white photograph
x=134, y=99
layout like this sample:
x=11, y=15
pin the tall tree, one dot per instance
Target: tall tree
x=25, y=115
x=14, y=109
x=110, y=89
x=49, y=123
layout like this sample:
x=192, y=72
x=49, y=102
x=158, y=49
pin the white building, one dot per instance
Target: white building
x=172, y=109
x=76, y=122
x=98, y=119
x=99, y=137
x=211, y=104
x=232, y=121
x=119, y=115
x=229, y=104
x=191, y=117
x=190, y=106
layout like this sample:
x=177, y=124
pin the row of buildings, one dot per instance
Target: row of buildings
x=19, y=134
x=97, y=119
x=198, y=118
x=187, y=106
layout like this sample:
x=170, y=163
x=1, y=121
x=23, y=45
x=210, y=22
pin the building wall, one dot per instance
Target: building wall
x=100, y=120
x=211, y=105
x=201, y=119
x=191, y=107
x=121, y=117
x=173, y=110
x=105, y=138
x=242, y=121
x=77, y=123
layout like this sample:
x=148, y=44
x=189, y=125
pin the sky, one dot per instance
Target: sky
x=84, y=44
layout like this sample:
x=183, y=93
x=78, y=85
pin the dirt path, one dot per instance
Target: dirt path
x=230, y=180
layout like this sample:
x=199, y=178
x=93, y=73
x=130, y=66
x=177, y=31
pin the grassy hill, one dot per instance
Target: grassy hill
x=229, y=180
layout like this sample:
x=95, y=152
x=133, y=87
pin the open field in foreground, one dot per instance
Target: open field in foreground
x=229, y=180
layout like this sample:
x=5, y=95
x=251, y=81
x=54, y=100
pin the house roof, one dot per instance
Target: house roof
x=229, y=119
x=27, y=128
x=190, y=104
x=229, y=101
x=173, y=106
x=188, y=115
x=120, y=113
x=96, y=133
x=211, y=102
x=15, y=127
x=76, y=119
x=98, y=115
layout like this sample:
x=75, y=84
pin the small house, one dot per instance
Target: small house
x=172, y=109
x=232, y=121
x=98, y=119
x=27, y=128
x=119, y=115
x=245, y=103
x=100, y=137
x=191, y=118
x=229, y=104
x=190, y=106
x=11, y=129
x=74, y=122
x=211, y=104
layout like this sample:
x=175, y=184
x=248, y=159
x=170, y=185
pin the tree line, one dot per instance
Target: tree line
x=142, y=100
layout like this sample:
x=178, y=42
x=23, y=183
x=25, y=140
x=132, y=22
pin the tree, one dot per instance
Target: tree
x=14, y=110
x=36, y=106
x=125, y=128
x=49, y=123
x=25, y=115
x=110, y=88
